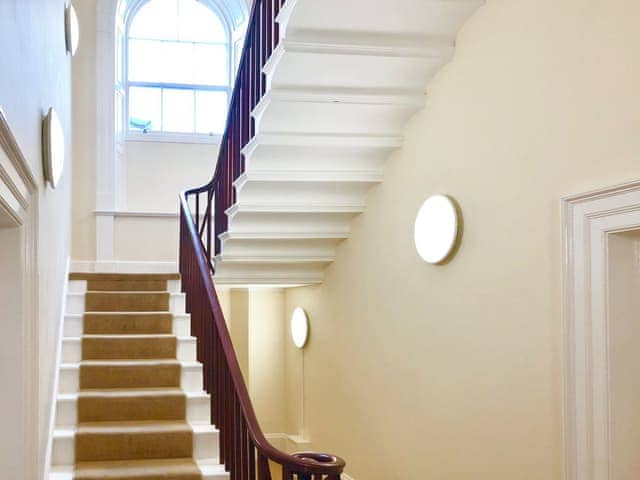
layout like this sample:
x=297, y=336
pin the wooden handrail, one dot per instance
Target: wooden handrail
x=263, y=35
x=243, y=447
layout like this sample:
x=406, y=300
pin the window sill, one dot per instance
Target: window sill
x=173, y=138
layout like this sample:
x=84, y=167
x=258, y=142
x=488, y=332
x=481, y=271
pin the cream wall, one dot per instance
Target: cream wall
x=155, y=172
x=266, y=357
x=158, y=172
x=34, y=75
x=454, y=372
x=624, y=338
x=255, y=317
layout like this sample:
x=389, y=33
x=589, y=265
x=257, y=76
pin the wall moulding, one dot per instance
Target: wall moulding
x=587, y=221
x=17, y=181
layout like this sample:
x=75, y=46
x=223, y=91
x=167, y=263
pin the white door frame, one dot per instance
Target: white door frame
x=588, y=219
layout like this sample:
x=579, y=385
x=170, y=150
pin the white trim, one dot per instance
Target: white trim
x=133, y=214
x=17, y=181
x=82, y=266
x=56, y=376
x=167, y=137
x=587, y=221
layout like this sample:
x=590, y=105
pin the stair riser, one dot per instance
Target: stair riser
x=180, y=326
x=190, y=379
x=72, y=351
x=76, y=305
x=198, y=410
x=333, y=117
x=205, y=447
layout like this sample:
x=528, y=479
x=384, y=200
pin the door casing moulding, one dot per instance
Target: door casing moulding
x=18, y=199
x=587, y=221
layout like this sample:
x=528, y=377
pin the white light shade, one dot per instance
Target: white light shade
x=436, y=229
x=53, y=148
x=299, y=327
x=72, y=29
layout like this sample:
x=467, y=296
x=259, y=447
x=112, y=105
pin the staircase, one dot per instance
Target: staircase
x=318, y=110
x=130, y=402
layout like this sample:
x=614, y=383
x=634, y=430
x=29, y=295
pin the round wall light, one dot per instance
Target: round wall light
x=53, y=148
x=72, y=29
x=299, y=327
x=436, y=229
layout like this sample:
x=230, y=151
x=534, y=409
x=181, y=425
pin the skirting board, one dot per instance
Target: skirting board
x=123, y=267
x=56, y=377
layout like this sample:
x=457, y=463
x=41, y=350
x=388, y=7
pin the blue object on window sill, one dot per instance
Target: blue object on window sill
x=139, y=123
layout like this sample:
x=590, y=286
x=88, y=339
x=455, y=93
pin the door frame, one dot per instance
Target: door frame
x=587, y=221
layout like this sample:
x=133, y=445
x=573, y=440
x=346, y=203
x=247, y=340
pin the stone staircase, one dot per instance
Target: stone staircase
x=130, y=403
x=341, y=85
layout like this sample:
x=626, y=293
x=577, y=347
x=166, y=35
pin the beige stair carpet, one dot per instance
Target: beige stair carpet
x=131, y=410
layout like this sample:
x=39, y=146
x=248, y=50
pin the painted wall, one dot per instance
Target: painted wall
x=34, y=75
x=255, y=317
x=624, y=338
x=266, y=357
x=155, y=172
x=415, y=371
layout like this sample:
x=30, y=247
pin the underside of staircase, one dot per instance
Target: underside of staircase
x=340, y=86
x=130, y=404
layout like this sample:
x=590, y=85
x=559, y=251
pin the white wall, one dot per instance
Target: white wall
x=34, y=75
x=155, y=172
x=454, y=372
x=158, y=172
x=624, y=340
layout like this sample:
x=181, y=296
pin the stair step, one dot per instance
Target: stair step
x=78, y=303
x=129, y=374
x=127, y=301
x=131, y=404
x=175, y=469
x=124, y=405
x=104, y=347
x=204, y=445
x=134, y=282
x=96, y=374
x=210, y=470
x=133, y=440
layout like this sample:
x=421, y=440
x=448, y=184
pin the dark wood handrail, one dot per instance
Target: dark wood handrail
x=243, y=447
x=263, y=35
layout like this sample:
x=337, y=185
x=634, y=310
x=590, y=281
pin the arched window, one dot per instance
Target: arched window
x=178, y=68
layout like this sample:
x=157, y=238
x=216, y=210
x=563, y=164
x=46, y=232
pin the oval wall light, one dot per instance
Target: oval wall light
x=436, y=229
x=72, y=29
x=299, y=327
x=53, y=148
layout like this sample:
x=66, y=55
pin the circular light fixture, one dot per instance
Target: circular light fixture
x=72, y=29
x=53, y=148
x=436, y=229
x=299, y=327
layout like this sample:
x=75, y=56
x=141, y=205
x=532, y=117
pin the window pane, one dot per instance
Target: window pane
x=156, y=19
x=198, y=23
x=145, y=60
x=211, y=112
x=210, y=64
x=144, y=108
x=178, y=111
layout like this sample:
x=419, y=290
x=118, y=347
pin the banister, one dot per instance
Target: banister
x=234, y=414
x=243, y=447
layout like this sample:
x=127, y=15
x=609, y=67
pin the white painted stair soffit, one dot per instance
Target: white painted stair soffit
x=341, y=85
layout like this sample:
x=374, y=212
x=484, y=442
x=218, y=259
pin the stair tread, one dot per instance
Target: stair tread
x=123, y=276
x=133, y=362
x=133, y=427
x=131, y=392
x=137, y=391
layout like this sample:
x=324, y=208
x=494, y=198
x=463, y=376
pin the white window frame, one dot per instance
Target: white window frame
x=174, y=137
